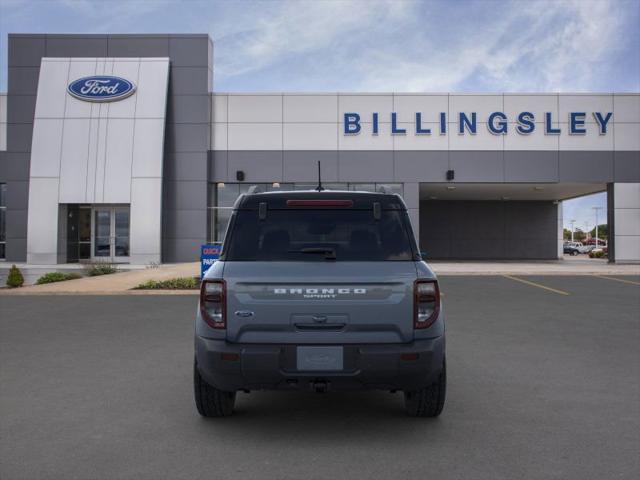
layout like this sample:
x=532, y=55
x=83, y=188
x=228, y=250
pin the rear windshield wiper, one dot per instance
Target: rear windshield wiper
x=329, y=253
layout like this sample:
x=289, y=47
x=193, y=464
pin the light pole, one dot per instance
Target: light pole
x=586, y=231
x=572, y=222
x=596, y=210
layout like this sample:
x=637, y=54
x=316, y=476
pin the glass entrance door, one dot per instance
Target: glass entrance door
x=111, y=234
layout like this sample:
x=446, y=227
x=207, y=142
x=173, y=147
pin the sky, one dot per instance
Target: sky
x=378, y=45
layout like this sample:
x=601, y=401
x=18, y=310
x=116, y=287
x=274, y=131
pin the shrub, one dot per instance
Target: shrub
x=100, y=269
x=52, y=277
x=15, y=278
x=596, y=254
x=181, y=283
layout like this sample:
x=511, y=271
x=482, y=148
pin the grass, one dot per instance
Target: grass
x=53, y=277
x=180, y=283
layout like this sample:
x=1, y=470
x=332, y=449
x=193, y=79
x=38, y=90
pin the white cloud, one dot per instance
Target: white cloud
x=532, y=46
x=297, y=29
x=377, y=45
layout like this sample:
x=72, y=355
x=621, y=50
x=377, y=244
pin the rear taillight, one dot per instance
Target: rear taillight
x=213, y=303
x=426, y=303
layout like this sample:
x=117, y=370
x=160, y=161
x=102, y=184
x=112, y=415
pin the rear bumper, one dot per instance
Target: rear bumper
x=231, y=367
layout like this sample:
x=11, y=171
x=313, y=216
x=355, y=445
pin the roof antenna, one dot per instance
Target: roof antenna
x=319, y=188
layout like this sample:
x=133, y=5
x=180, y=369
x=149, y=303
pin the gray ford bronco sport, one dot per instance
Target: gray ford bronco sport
x=321, y=290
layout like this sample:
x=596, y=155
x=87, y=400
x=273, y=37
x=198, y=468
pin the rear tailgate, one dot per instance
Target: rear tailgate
x=320, y=302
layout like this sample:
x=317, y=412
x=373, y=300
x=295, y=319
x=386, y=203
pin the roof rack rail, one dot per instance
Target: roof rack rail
x=254, y=189
x=385, y=189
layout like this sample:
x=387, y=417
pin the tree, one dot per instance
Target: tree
x=603, y=231
x=579, y=235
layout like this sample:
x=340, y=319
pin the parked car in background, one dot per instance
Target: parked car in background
x=592, y=241
x=571, y=248
x=575, y=248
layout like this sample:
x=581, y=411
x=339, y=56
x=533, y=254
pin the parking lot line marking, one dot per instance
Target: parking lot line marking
x=534, y=284
x=631, y=282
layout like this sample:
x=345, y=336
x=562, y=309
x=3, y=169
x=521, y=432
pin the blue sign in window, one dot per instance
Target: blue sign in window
x=209, y=253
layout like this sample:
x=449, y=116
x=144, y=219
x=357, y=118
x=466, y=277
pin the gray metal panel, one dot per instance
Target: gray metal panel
x=185, y=166
x=23, y=80
x=488, y=230
x=531, y=166
x=365, y=166
x=63, y=211
x=15, y=167
x=185, y=195
x=25, y=53
x=611, y=223
x=477, y=165
x=302, y=166
x=22, y=108
x=531, y=230
x=428, y=165
x=19, y=137
x=76, y=46
x=138, y=46
x=17, y=195
x=586, y=166
x=188, y=109
x=186, y=223
x=182, y=249
x=26, y=50
x=189, y=51
x=187, y=137
x=218, y=165
x=16, y=250
x=478, y=230
x=16, y=222
x=626, y=166
x=435, y=230
x=4, y=158
x=188, y=80
x=258, y=165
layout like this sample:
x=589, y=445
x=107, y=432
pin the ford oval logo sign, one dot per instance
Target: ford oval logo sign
x=101, y=88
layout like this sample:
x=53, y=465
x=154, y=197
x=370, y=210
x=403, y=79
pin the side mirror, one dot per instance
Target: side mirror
x=423, y=254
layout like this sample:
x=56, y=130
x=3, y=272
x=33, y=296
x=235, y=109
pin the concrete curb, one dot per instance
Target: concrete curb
x=18, y=293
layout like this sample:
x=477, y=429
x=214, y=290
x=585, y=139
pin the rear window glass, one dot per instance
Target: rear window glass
x=310, y=235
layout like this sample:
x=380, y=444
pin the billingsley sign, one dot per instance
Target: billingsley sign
x=497, y=123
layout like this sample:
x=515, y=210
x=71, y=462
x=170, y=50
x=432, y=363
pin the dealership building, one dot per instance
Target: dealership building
x=118, y=148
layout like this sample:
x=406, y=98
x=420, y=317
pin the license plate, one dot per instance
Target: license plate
x=319, y=358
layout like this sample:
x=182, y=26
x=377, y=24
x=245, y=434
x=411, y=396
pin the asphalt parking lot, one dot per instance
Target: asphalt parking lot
x=544, y=383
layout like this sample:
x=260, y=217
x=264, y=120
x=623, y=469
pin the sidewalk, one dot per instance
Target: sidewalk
x=568, y=266
x=124, y=282
x=116, y=283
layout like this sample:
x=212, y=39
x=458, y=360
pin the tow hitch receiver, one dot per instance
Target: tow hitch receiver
x=319, y=386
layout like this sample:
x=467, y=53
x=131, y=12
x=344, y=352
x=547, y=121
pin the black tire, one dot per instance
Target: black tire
x=429, y=401
x=574, y=253
x=210, y=401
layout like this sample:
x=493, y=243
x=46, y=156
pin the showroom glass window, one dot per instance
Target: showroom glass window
x=222, y=196
x=3, y=220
